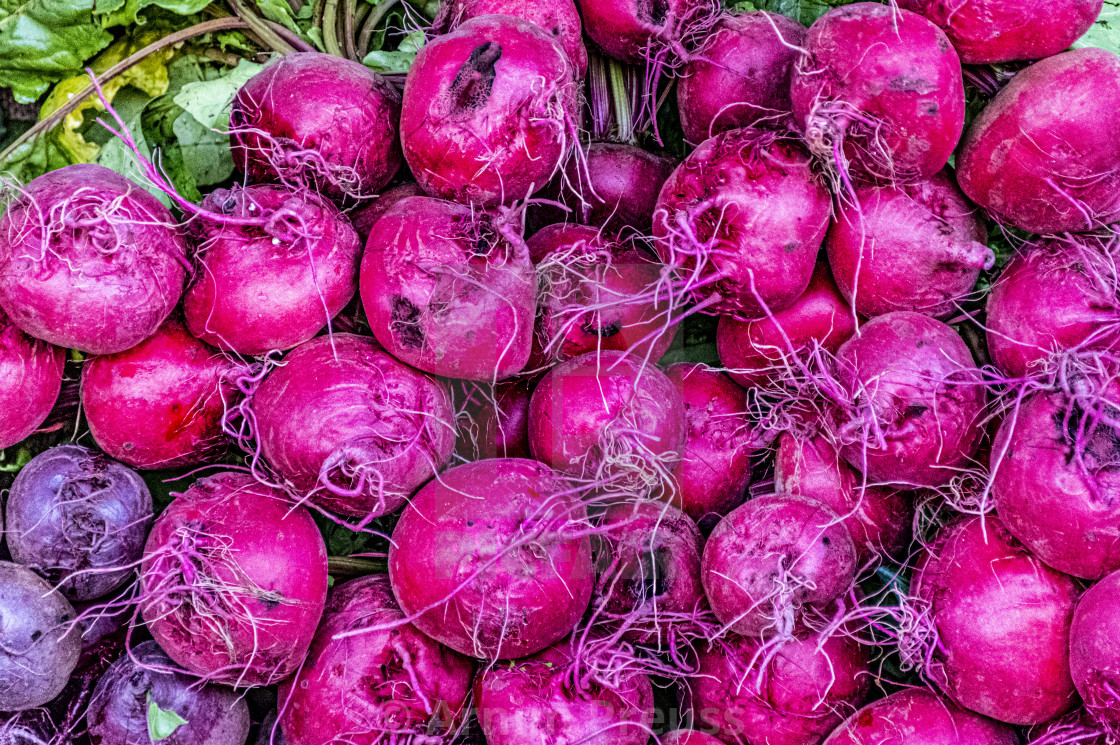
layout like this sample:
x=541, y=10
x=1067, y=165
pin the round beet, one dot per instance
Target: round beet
x=1076, y=728
x=648, y=565
x=30, y=380
x=78, y=519
x=798, y=696
x=273, y=286
x=1055, y=484
x=122, y=704
x=689, y=737
x=351, y=426
x=644, y=32
x=918, y=247
x=743, y=217
x=918, y=400
x=1045, y=153
x=878, y=518
x=39, y=644
x=1003, y=623
x=487, y=560
x=532, y=703
x=756, y=351
x=1056, y=294
x=161, y=403
x=449, y=290
x=559, y=19
x=489, y=111
x=715, y=467
x=991, y=31
x=595, y=295
x=320, y=121
x=613, y=187
x=740, y=75
x=773, y=557
x=880, y=91
x=234, y=580
x=1095, y=651
x=915, y=716
x=89, y=260
x=608, y=417
x=387, y=681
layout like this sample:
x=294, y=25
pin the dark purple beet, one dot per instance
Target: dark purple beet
x=73, y=511
x=121, y=710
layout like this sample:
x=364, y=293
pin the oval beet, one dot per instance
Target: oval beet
x=915, y=716
x=30, y=380
x=79, y=519
x=161, y=403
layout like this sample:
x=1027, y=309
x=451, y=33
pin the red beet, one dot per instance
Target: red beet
x=161, y=403
x=755, y=351
x=640, y=31
x=258, y=290
x=351, y=427
x=918, y=247
x=715, y=467
x=1095, y=652
x=773, y=557
x=449, y=290
x=740, y=75
x=317, y=120
x=489, y=111
x=810, y=686
x=365, y=216
x=917, y=717
x=30, y=380
x=234, y=580
x=594, y=295
x=1003, y=623
x=745, y=215
x=877, y=517
x=390, y=681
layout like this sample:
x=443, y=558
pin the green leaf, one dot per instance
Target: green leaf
x=207, y=100
x=116, y=156
x=206, y=151
x=803, y=11
x=399, y=60
x=127, y=12
x=1105, y=33
x=162, y=723
x=44, y=41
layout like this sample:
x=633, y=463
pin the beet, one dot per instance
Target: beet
x=317, y=120
x=757, y=351
x=1044, y=155
x=30, y=380
x=915, y=716
x=796, y=698
x=489, y=111
x=39, y=647
x=89, y=260
x=161, y=403
x=917, y=247
x=366, y=215
x=715, y=467
x=388, y=682
x=493, y=559
x=772, y=558
x=120, y=708
x=495, y=424
x=745, y=215
x=595, y=295
x=739, y=75
x=234, y=580
x=640, y=31
x=1002, y=620
x=449, y=290
x=1095, y=653
x=261, y=289
x=78, y=519
x=351, y=427
x=918, y=400
x=880, y=92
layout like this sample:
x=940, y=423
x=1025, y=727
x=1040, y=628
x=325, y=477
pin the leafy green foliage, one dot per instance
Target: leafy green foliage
x=162, y=723
x=398, y=60
x=1105, y=33
x=803, y=11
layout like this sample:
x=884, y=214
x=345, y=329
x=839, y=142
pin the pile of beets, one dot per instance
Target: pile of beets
x=443, y=326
